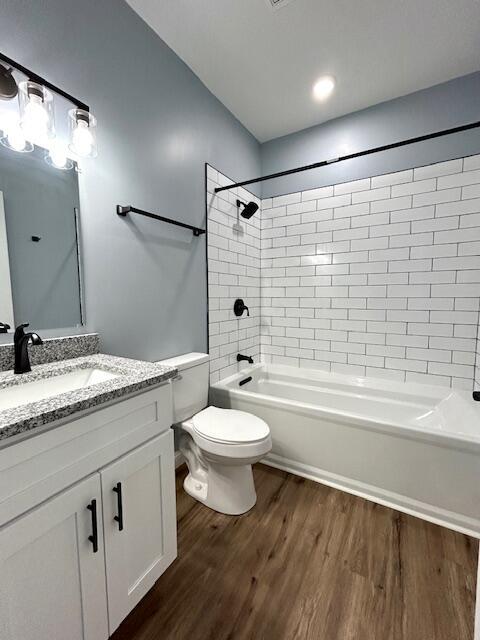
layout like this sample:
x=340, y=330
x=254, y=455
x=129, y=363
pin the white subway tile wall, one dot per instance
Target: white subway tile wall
x=377, y=277
x=233, y=272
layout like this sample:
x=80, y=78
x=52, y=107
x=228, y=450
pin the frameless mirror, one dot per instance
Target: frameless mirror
x=39, y=250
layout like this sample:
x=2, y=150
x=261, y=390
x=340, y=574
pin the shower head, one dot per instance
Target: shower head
x=248, y=208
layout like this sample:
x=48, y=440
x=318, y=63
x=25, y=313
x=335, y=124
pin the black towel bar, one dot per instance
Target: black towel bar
x=122, y=211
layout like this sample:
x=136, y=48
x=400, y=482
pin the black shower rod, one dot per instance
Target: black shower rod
x=351, y=156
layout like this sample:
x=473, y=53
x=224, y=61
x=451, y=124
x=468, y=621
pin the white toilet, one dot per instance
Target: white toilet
x=219, y=445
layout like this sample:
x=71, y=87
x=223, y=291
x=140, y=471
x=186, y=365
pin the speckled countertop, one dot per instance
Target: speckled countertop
x=132, y=376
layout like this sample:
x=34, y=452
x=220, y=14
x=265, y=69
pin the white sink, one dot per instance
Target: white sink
x=20, y=394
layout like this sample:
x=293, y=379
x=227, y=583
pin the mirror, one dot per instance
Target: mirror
x=39, y=250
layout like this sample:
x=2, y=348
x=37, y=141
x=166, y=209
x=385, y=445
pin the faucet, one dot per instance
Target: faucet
x=20, y=341
x=247, y=358
x=4, y=327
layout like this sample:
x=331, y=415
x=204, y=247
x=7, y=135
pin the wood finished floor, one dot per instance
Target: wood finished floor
x=309, y=563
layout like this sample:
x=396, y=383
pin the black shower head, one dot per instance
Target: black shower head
x=248, y=208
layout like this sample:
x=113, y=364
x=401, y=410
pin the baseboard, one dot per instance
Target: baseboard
x=442, y=517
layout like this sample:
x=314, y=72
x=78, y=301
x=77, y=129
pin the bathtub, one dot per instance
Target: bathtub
x=412, y=447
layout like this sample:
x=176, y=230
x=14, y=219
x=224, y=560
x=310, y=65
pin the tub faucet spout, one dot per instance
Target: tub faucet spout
x=240, y=358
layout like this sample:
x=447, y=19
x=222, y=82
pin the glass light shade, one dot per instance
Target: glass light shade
x=13, y=135
x=36, y=112
x=57, y=157
x=83, y=140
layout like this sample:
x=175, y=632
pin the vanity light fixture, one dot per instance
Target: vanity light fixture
x=13, y=135
x=36, y=112
x=82, y=133
x=323, y=88
x=57, y=157
x=35, y=123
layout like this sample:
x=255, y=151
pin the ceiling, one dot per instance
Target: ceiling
x=261, y=64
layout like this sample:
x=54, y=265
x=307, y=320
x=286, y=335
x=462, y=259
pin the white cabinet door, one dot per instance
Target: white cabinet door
x=52, y=583
x=139, y=522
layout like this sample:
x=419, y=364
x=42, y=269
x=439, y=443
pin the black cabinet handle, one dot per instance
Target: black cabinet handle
x=119, y=518
x=94, y=537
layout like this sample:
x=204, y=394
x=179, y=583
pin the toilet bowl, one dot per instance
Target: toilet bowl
x=219, y=445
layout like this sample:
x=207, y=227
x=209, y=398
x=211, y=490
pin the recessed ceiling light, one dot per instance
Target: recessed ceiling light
x=323, y=88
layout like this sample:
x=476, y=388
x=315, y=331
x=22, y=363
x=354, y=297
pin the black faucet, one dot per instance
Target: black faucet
x=4, y=327
x=240, y=358
x=20, y=341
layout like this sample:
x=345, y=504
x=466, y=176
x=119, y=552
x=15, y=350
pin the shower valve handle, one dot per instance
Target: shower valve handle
x=239, y=307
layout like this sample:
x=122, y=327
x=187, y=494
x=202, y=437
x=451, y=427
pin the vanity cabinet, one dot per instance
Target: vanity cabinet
x=138, y=511
x=75, y=564
x=52, y=585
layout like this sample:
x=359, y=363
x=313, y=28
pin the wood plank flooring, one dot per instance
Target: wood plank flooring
x=309, y=563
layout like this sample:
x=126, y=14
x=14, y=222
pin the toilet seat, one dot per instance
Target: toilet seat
x=228, y=433
x=229, y=426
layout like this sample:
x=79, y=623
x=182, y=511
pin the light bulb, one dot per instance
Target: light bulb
x=35, y=118
x=7, y=119
x=16, y=139
x=82, y=139
x=36, y=112
x=57, y=156
x=82, y=133
x=323, y=88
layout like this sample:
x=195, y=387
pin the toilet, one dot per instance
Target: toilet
x=219, y=445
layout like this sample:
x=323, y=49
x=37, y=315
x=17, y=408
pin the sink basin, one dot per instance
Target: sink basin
x=20, y=394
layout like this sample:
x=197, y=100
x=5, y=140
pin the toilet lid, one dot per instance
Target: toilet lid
x=229, y=425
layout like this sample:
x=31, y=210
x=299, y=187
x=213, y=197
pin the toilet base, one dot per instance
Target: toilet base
x=226, y=489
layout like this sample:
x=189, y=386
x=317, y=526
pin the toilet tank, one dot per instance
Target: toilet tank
x=190, y=387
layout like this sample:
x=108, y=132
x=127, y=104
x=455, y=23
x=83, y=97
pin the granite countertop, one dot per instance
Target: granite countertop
x=133, y=376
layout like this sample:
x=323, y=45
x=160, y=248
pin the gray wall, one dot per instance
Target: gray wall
x=145, y=281
x=40, y=200
x=158, y=124
x=441, y=107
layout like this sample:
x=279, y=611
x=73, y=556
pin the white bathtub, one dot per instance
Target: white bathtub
x=412, y=447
